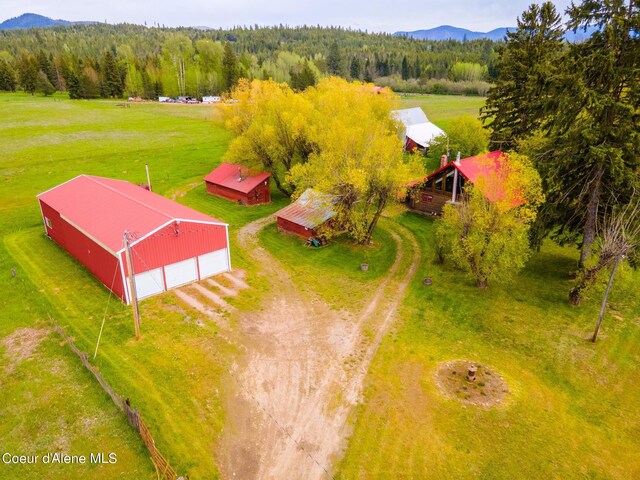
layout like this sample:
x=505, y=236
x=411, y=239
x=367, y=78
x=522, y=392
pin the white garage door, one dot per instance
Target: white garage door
x=181, y=272
x=212, y=263
x=149, y=283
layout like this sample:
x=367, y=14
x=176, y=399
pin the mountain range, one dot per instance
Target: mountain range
x=443, y=32
x=33, y=20
x=448, y=32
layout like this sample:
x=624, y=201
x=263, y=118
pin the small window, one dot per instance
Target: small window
x=47, y=222
x=448, y=185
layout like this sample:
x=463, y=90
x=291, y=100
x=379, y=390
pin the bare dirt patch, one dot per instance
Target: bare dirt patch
x=299, y=379
x=237, y=278
x=488, y=388
x=22, y=344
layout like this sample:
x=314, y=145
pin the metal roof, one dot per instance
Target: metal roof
x=410, y=116
x=491, y=167
x=229, y=175
x=104, y=208
x=311, y=210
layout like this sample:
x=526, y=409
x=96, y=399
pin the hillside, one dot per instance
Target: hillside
x=32, y=20
x=448, y=32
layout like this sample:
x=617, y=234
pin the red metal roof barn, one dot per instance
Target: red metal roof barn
x=170, y=244
x=306, y=214
x=233, y=182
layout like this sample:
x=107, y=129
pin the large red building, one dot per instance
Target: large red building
x=170, y=244
x=234, y=183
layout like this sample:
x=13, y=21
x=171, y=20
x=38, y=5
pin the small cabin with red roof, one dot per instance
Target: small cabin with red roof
x=234, y=182
x=447, y=184
x=307, y=214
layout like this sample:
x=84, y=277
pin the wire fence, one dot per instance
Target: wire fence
x=164, y=470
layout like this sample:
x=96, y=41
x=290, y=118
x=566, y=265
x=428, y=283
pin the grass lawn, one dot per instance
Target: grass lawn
x=173, y=374
x=333, y=271
x=572, y=407
x=441, y=109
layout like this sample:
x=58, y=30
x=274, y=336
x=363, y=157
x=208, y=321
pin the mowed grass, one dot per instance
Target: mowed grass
x=333, y=271
x=174, y=374
x=571, y=411
x=441, y=109
x=572, y=407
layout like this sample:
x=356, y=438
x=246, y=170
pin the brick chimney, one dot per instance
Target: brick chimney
x=443, y=160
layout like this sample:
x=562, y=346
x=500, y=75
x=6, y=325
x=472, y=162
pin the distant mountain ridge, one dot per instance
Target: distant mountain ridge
x=449, y=32
x=33, y=20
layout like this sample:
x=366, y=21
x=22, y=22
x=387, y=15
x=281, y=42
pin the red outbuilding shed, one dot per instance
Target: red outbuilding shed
x=234, y=183
x=170, y=244
x=303, y=217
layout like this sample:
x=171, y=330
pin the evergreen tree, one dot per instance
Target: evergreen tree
x=111, y=85
x=73, y=86
x=417, y=68
x=43, y=85
x=28, y=73
x=405, y=68
x=515, y=105
x=7, y=77
x=229, y=67
x=334, y=59
x=354, y=70
x=594, y=133
x=303, y=77
x=368, y=75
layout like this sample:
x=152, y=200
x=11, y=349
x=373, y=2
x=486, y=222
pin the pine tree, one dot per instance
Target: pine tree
x=111, y=85
x=7, y=77
x=368, y=75
x=595, y=130
x=405, y=68
x=334, y=60
x=229, y=67
x=302, y=77
x=354, y=70
x=73, y=86
x=28, y=73
x=515, y=106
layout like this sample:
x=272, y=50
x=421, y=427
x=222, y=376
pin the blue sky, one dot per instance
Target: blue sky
x=372, y=15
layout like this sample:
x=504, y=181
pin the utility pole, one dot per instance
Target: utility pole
x=146, y=166
x=132, y=286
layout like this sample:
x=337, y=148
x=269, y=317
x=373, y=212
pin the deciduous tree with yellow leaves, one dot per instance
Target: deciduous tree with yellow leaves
x=337, y=138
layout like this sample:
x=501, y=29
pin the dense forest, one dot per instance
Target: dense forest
x=105, y=60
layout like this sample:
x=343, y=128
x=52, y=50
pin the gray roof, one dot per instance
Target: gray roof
x=410, y=116
x=311, y=210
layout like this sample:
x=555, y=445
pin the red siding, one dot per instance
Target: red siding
x=294, y=228
x=165, y=246
x=260, y=194
x=97, y=259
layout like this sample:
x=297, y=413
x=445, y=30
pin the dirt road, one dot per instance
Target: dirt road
x=302, y=372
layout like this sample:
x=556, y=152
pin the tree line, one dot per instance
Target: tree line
x=114, y=60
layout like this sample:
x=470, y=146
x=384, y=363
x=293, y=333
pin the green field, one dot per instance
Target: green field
x=572, y=407
x=441, y=109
